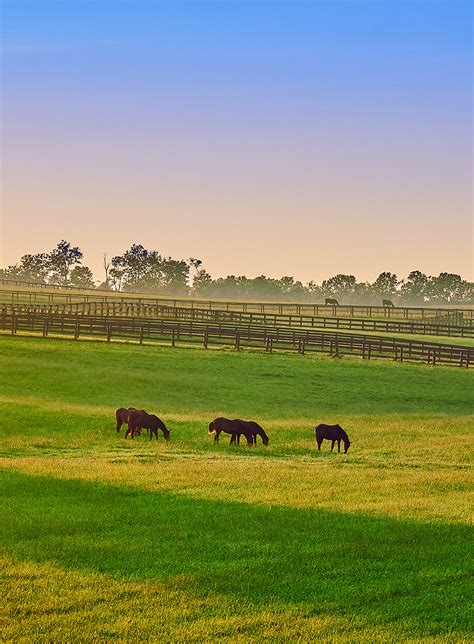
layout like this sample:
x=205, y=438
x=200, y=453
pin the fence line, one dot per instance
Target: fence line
x=440, y=314
x=273, y=319
x=206, y=333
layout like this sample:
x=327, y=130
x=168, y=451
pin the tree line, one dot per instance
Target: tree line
x=147, y=271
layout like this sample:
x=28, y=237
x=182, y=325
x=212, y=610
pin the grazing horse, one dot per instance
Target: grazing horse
x=330, y=300
x=233, y=427
x=253, y=429
x=122, y=415
x=139, y=419
x=332, y=433
x=388, y=303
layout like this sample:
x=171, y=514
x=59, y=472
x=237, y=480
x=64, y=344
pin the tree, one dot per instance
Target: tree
x=447, y=287
x=61, y=260
x=338, y=286
x=415, y=287
x=81, y=277
x=30, y=268
x=385, y=285
x=314, y=291
x=292, y=289
x=174, y=276
x=202, y=283
x=139, y=269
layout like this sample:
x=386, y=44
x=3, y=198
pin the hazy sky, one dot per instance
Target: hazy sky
x=264, y=137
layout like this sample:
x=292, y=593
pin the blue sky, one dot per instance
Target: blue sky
x=294, y=124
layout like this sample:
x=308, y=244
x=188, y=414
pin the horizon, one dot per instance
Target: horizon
x=276, y=138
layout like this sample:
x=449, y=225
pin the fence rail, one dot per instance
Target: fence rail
x=442, y=315
x=239, y=336
x=239, y=317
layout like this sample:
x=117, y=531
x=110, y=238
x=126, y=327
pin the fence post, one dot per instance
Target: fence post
x=109, y=332
x=141, y=334
x=205, y=339
x=173, y=337
x=14, y=322
x=237, y=340
x=77, y=330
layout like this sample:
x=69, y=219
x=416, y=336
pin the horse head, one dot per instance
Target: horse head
x=212, y=428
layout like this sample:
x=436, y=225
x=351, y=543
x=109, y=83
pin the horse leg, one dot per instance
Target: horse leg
x=332, y=445
x=119, y=425
x=338, y=445
x=216, y=437
x=232, y=439
x=320, y=442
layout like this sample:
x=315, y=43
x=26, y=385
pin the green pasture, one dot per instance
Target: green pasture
x=104, y=538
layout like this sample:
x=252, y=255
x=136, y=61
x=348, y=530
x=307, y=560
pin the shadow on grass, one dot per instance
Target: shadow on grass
x=381, y=570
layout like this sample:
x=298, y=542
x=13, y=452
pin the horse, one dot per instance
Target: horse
x=330, y=300
x=388, y=303
x=332, y=433
x=122, y=415
x=254, y=429
x=233, y=427
x=140, y=419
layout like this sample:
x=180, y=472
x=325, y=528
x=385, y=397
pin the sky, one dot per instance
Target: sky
x=302, y=138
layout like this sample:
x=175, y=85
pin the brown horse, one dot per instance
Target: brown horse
x=331, y=300
x=233, y=427
x=139, y=419
x=332, y=433
x=254, y=430
x=122, y=415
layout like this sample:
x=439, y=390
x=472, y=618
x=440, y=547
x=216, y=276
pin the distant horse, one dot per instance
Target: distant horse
x=122, y=415
x=388, y=303
x=233, y=427
x=139, y=419
x=253, y=429
x=332, y=433
x=330, y=300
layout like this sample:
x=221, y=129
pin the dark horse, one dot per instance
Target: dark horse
x=388, y=303
x=139, y=419
x=332, y=433
x=253, y=429
x=232, y=427
x=122, y=415
x=330, y=300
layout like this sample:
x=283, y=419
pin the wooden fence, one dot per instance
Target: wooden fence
x=281, y=308
x=113, y=309
x=222, y=333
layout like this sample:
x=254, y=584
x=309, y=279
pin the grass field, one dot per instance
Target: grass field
x=188, y=541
